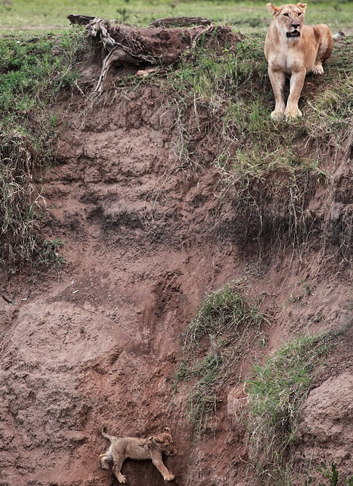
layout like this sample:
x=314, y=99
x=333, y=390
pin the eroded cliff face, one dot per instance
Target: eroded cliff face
x=100, y=341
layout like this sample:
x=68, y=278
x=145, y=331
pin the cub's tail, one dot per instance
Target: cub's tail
x=105, y=435
x=338, y=36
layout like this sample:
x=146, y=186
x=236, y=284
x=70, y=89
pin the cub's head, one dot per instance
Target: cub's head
x=289, y=18
x=164, y=442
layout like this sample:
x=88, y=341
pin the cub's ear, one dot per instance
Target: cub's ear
x=167, y=429
x=272, y=8
x=302, y=5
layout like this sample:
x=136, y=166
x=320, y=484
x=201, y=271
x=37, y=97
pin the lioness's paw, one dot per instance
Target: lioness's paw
x=122, y=479
x=169, y=477
x=277, y=115
x=318, y=69
x=293, y=115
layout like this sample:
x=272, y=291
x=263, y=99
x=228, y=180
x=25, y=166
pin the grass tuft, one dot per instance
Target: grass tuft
x=276, y=392
x=223, y=311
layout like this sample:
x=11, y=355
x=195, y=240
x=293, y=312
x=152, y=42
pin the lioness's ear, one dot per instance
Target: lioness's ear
x=272, y=8
x=158, y=439
x=302, y=5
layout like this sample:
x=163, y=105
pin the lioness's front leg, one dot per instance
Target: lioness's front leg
x=158, y=463
x=296, y=85
x=278, y=79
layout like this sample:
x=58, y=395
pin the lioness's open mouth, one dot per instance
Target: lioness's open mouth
x=296, y=33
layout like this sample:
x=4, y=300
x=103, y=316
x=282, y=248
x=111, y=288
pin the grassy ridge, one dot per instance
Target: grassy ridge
x=260, y=161
x=245, y=16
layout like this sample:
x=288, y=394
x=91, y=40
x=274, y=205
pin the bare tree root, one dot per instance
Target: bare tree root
x=155, y=45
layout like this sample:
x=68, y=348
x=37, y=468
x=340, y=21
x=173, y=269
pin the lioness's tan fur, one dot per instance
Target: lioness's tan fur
x=293, y=49
x=152, y=448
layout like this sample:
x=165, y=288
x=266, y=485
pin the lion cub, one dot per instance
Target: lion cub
x=153, y=448
x=293, y=49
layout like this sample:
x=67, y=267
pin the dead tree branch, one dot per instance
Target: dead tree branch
x=180, y=22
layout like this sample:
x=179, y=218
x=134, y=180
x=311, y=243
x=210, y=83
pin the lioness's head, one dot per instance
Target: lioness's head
x=289, y=18
x=164, y=442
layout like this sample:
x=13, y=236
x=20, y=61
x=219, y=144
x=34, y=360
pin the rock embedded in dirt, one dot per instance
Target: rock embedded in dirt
x=327, y=428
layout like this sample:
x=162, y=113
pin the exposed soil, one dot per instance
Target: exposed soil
x=100, y=341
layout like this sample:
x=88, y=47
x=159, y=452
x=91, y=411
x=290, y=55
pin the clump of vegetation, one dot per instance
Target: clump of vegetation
x=276, y=392
x=221, y=313
x=50, y=254
x=32, y=72
x=219, y=336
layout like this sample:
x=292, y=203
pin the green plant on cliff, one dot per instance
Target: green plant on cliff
x=215, y=340
x=50, y=253
x=32, y=72
x=276, y=392
x=332, y=475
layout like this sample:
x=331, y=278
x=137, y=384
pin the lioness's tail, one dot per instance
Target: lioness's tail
x=105, y=435
x=338, y=36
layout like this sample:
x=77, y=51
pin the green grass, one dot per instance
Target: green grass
x=213, y=342
x=50, y=254
x=332, y=475
x=221, y=312
x=276, y=393
x=244, y=16
x=33, y=70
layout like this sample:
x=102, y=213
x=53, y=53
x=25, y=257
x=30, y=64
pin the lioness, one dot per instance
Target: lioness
x=153, y=448
x=293, y=49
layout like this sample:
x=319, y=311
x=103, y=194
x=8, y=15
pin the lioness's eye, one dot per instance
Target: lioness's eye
x=299, y=14
x=286, y=15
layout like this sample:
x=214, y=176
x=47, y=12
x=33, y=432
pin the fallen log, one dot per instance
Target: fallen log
x=180, y=22
x=155, y=45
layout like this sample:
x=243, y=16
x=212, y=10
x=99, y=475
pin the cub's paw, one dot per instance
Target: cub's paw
x=169, y=477
x=105, y=461
x=122, y=479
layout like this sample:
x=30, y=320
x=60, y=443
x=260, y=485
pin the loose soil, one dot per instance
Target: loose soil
x=100, y=341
